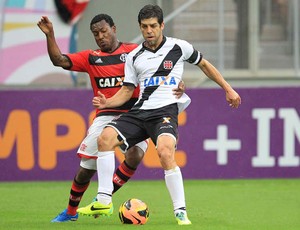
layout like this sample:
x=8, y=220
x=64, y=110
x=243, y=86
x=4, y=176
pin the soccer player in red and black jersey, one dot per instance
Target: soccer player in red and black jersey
x=105, y=67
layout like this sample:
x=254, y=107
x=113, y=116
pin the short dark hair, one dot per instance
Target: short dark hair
x=151, y=11
x=101, y=17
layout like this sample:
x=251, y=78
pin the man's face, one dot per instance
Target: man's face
x=152, y=32
x=104, y=35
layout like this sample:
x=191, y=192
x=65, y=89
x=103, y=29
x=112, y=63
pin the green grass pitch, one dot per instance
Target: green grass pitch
x=212, y=204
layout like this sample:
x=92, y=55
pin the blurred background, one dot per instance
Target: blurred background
x=251, y=42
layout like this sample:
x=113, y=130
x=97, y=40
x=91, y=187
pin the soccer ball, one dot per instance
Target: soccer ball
x=134, y=211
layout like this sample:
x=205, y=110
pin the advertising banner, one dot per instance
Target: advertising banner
x=40, y=131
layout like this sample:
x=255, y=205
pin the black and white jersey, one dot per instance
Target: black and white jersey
x=159, y=71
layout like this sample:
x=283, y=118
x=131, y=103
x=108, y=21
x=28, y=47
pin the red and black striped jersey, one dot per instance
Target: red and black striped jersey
x=106, y=72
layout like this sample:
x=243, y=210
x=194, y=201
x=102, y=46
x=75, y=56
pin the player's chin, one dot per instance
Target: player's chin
x=104, y=48
x=151, y=41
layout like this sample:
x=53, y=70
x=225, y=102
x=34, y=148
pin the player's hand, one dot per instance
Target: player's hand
x=233, y=98
x=99, y=101
x=45, y=25
x=179, y=91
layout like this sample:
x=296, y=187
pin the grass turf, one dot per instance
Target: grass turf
x=212, y=204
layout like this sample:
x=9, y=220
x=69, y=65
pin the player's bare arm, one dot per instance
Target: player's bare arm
x=57, y=58
x=232, y=97
x=122, y=96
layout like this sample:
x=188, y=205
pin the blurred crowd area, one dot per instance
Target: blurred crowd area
x=244, y=39
x=260, y=37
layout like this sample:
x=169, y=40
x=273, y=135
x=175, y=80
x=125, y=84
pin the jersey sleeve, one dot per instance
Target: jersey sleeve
x=190, y=54
x=79, y=61
x=130, y=72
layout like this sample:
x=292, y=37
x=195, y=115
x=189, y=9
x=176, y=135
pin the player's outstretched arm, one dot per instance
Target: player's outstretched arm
x=232, y=97
x=54, y=52
x=122, y=96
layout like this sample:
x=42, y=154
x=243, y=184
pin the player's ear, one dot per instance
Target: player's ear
x=162, y=25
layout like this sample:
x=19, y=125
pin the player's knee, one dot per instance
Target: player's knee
x=166, y=156
x=134, y=156
x=164, y=153
x=103, y=143
x=107, y=140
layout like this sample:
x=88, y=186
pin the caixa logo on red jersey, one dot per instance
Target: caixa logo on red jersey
x=109, y=82
x=168, y=64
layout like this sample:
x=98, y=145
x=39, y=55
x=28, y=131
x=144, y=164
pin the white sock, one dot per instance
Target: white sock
x=174, y=184
x=105, y=171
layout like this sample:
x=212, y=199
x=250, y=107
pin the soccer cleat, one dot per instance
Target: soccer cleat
x=95, y=199
x=96, y=209
x=64, y=217
x=182, y=219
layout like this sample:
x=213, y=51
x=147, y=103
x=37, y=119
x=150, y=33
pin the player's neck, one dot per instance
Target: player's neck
x=155, y=45
x=115, y=46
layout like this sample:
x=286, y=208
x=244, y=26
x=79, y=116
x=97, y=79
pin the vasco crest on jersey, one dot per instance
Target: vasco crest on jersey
x=168, y=64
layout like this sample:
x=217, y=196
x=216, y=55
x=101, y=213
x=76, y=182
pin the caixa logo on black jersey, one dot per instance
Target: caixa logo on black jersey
x=110, y=82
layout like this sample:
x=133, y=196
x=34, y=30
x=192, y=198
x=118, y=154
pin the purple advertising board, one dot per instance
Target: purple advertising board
x=40, y=131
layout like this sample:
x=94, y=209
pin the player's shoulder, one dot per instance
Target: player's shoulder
x=84, y=52
x=80, y=54
x=128, y=46
x=95, y=52
x=178, y=41
x=136, y=51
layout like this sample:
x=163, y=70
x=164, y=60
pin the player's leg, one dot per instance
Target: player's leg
x=127, y=168
x=115, y=134
x=173, y=177
x=107, y=142
x=164, y=133
x=88, y=152
x=79, y=185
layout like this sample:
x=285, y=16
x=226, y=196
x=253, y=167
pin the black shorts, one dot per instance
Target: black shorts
x=138, y=125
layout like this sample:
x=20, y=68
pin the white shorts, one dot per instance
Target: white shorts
x=88, y=149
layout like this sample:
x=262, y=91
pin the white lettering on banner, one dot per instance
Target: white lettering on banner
x=222, y=145
x=291, y=126
x=291, y=123
x=263, y=158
